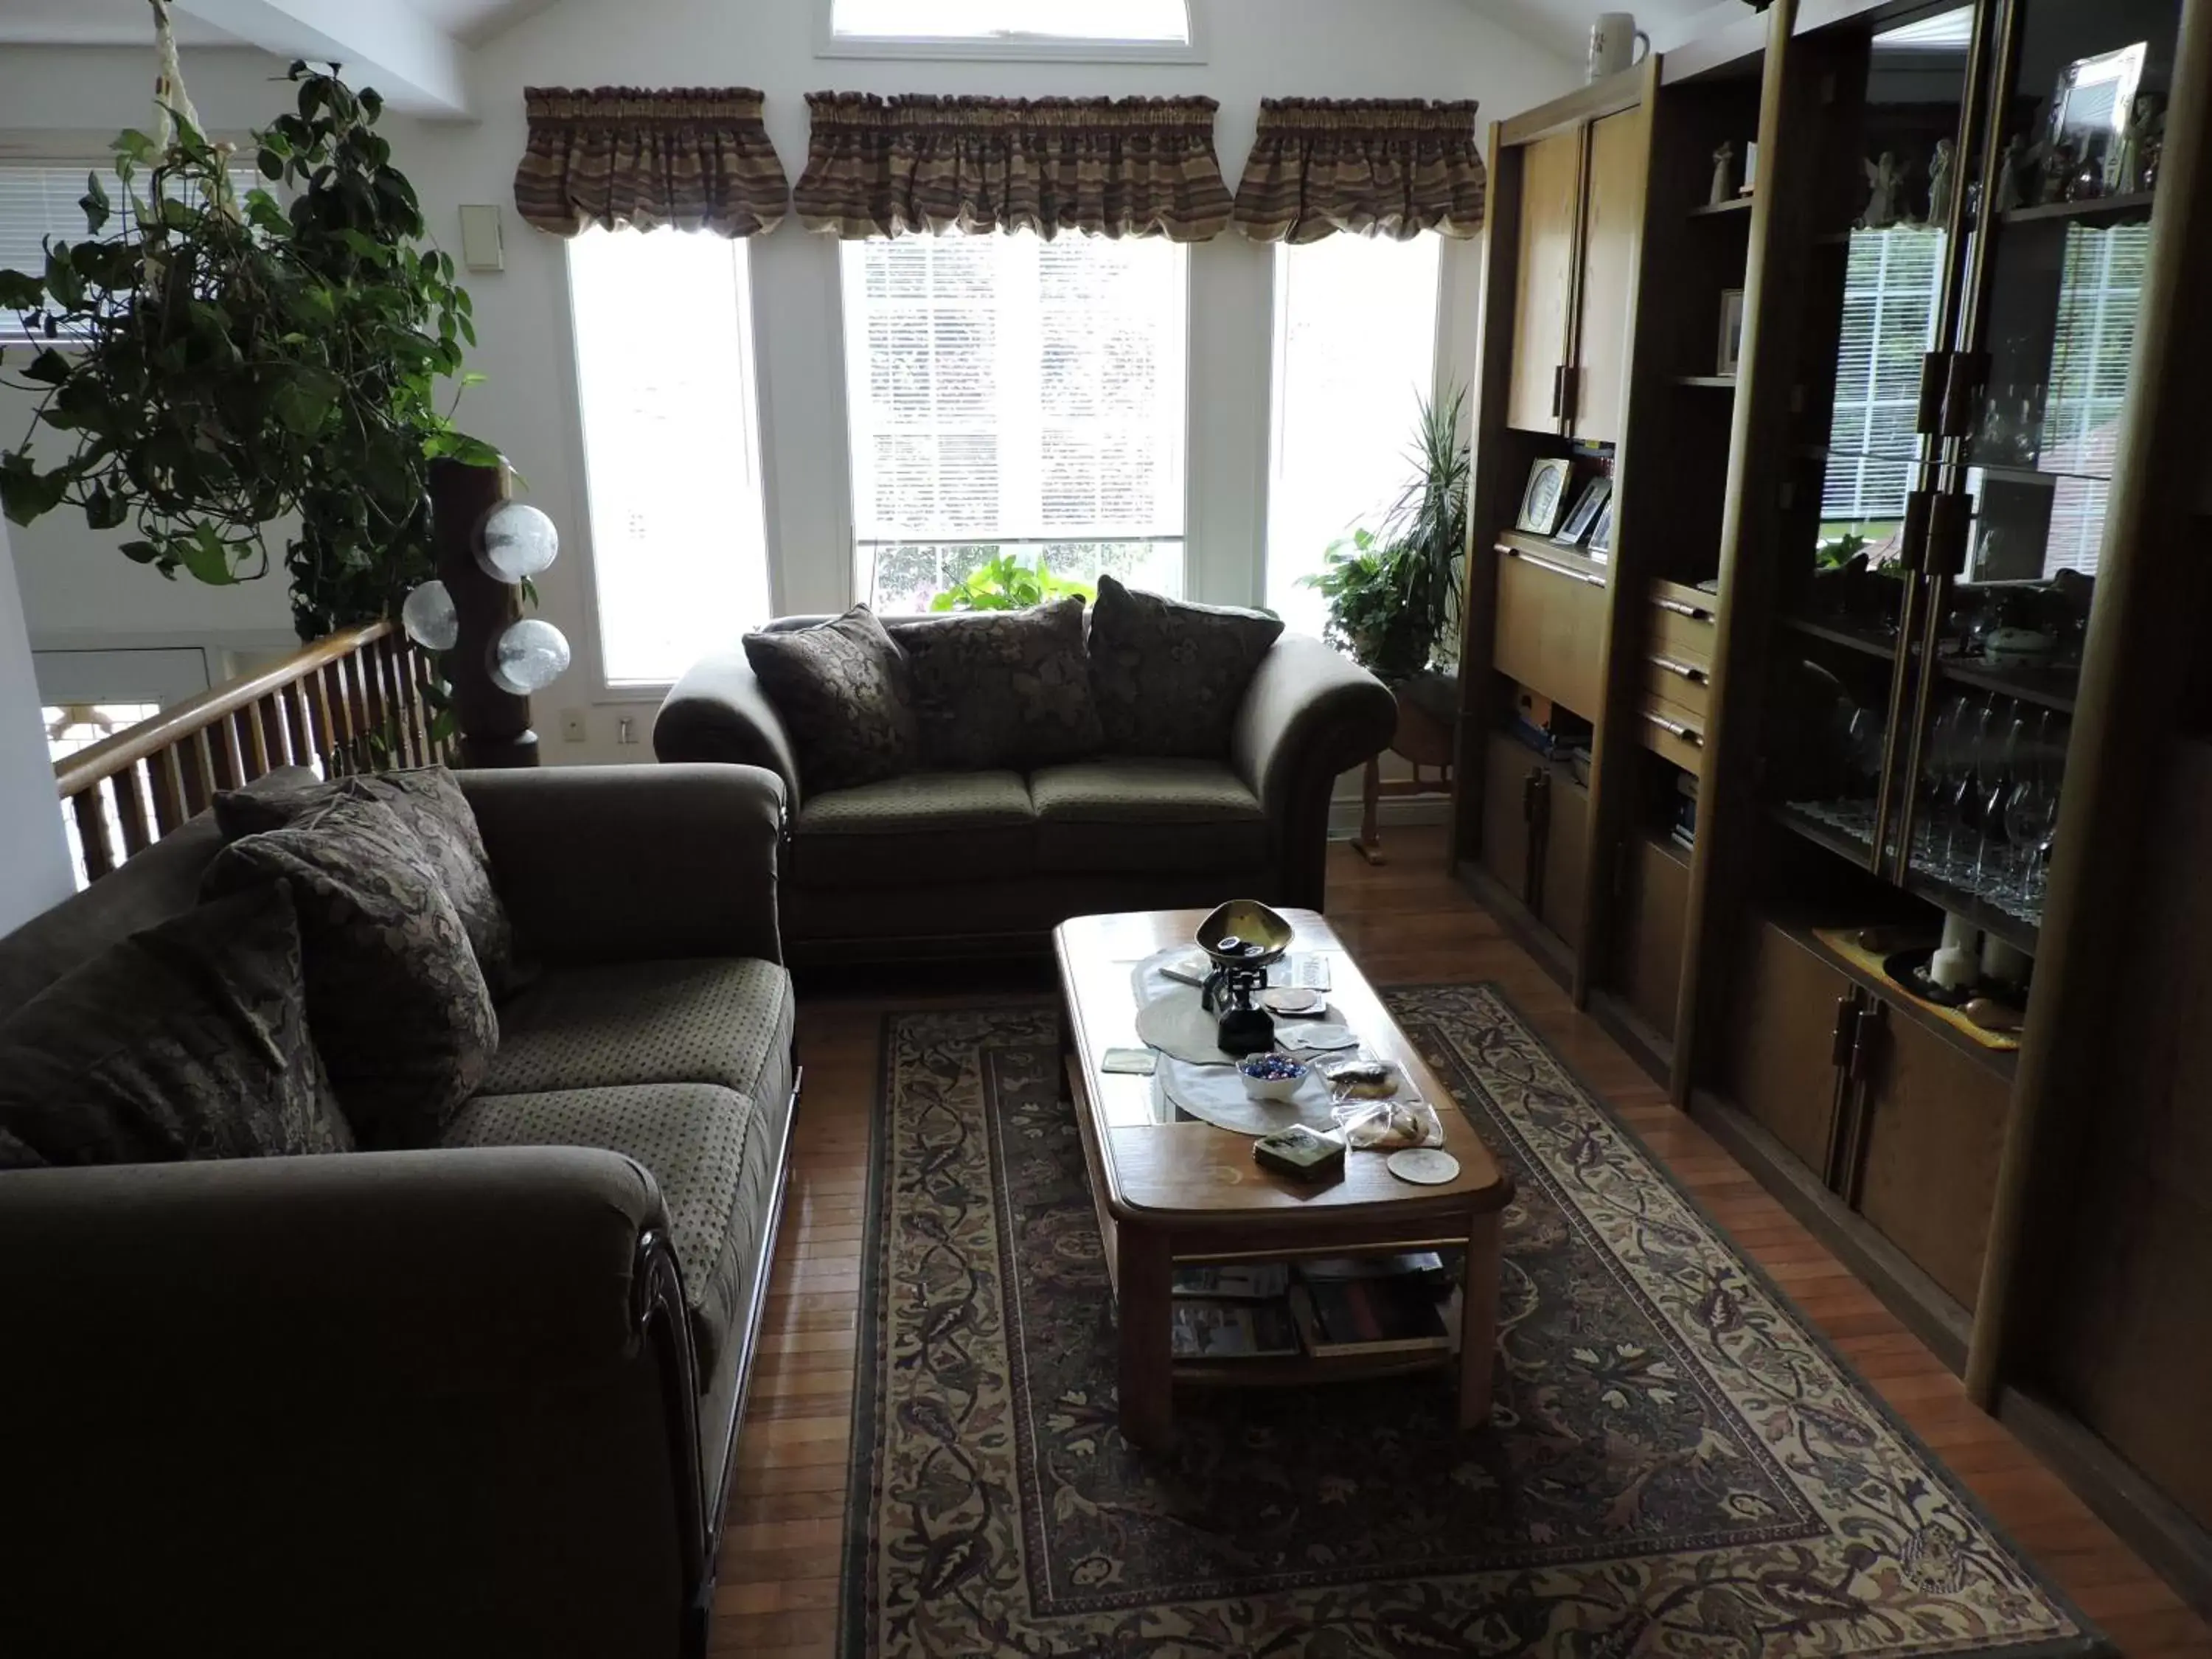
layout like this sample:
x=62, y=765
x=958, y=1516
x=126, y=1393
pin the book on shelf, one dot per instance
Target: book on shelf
x=1403, y=1314
x=1405, y=1264
x=1206, y=1329
x=1233, y=1281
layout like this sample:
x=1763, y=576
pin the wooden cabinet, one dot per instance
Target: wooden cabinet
x=1509, y=772
x=1612, y=239
x=1648, y=955
x=1563, y=877
x=1784, y=1072
x=1551, y=224
x=1550, y=631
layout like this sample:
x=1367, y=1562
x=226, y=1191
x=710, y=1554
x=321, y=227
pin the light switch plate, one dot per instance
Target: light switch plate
x=483, y=246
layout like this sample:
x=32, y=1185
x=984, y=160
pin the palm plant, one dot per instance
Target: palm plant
x=1391, y=590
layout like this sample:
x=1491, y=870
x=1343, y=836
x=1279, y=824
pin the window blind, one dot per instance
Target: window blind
x=1147, y=21
x=1890, y=295
x=2099, y=299
x=1008, y=394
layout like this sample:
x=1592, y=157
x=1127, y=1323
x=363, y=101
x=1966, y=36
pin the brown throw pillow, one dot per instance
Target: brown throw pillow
x=1001, y=688
x=429, y=802
x=188, y=1040
x=1169, y=676
x=844, y=694
x=395, y=1000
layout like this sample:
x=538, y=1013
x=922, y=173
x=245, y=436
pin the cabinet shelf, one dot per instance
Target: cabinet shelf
x=1852, y=639
x=2002, y=1061
x=2047, y=687
x=1857, y=850
x=1562, y=558
x=1976, y=911
x=1728, y=380
x=2099, y=209
x=1738, y=205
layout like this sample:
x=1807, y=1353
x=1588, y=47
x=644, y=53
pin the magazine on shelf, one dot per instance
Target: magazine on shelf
x=1350, y=1317
x=1204, y=1329
x=1405, y=1263
x=1234, y=1281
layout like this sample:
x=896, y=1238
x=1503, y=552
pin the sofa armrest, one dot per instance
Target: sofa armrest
x=397, y=1274
x=1310, y=715
x=607, y=863
x=719, y=712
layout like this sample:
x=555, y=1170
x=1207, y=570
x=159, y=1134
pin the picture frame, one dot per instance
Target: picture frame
x=1730, y=354
x=1588, y=505
x=1600, y=539
x=2089, y=105
x=1545, y=496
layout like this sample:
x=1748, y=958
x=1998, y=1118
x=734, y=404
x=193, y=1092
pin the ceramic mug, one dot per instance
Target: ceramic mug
x=1614, y=39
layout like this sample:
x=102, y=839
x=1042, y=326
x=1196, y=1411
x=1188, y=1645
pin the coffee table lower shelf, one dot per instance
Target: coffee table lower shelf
x=1307, y=1371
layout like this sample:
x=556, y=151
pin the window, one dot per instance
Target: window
x=2099, y=301
x=1099, y=30
x=1009, y=395
x=1355, y=352
x=72, y=728
x=1890, y=296
x=672, y=451
x=39, y=199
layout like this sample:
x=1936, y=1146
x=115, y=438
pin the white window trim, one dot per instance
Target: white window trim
x=1010, y=49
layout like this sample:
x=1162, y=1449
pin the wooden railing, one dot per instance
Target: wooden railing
x=359, y=700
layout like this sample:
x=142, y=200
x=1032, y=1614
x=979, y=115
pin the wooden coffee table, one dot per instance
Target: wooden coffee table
x=1188, y=1192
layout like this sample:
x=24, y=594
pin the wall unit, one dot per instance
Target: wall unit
x=1892, y=639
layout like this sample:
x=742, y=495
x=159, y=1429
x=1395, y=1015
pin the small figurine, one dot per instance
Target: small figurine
x=1939, y=184
x=2057, y=172
x=1723, y=175
x=1884, y=181
x=2145, y=123
x=2020, y=179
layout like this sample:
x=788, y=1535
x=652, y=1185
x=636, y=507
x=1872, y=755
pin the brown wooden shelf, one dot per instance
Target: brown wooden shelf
x=1728, y=380
x=2047, y=687
x=1542, y=549
x=2004, y=1062
x=1975, y=910
x=1741, y=205
x=1849, y=847
x=2105, y=209
x=1850, y=639
x=1305, y=1370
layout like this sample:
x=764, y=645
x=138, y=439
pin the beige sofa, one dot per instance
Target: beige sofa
x=941, y=863
x=475, y=1400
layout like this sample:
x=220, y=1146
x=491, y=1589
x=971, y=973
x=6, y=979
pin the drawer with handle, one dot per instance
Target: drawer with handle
x=1673, y=733
x=1551, y=629
x=1682, y=623
x=1680, y=680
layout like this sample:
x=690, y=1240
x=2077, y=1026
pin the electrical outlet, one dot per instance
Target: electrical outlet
x=573, y=729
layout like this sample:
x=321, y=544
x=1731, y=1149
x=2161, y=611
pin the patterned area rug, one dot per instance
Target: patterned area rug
x=1675, y=1466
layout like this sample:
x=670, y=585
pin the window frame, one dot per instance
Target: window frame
x=590, y=649
x=1008, y=49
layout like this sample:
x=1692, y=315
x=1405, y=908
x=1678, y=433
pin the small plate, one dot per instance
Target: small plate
x=1309, y=1035
x=1293, y=1000
x=1424, y=1166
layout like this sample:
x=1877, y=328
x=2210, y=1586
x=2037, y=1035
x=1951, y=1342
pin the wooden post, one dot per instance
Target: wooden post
x=495, y=724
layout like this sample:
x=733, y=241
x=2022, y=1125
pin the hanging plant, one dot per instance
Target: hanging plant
x=226, y=369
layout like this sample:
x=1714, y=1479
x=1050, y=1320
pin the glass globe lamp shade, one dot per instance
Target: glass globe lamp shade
x=516, y=541
x=529, y=657
x=428, y=616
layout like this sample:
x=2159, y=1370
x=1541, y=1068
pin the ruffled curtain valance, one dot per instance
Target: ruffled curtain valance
x=696, y=158
x=1127, y=166
x=1377, y=167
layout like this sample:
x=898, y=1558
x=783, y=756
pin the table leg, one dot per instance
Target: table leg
x=1369, y=841
x=1147, y=1379
x=1477, y=1319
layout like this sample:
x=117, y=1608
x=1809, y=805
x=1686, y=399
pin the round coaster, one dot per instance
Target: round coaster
x=1424, y=1166
x=1292, y=1000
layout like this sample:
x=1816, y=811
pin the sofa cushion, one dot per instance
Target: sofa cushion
x=1140, y=813
x=1002, y=687
x=188, y=1040
x=395, y=1002
x=1169, y=676
x=719, y=1020
x=844, y=694
x=429, y=802
x=699, y=1140
x=925, y=828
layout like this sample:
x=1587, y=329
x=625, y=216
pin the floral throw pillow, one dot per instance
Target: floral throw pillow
x=1002, y=687
x=188, y=1040
x=395, y=1000
x=844, y=693
x=429, y=802
x=1169, y=676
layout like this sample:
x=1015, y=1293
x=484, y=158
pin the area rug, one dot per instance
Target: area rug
x=1675, y=1465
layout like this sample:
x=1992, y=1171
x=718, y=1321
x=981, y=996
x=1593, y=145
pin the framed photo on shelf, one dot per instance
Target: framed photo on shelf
x=1545, y=496
x=1588, y=505
x=2090, y=104
x=1601, y=541
x=1731, y=351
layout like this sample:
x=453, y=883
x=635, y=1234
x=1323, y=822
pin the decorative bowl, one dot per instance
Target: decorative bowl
x=1265, y=935
x=1270, y=1076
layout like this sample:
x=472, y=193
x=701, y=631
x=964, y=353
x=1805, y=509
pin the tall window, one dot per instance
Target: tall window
x=1130, y=29
x=1012, y=396
x=672, y=448
x=2099, y=301
x=1355, y=352
x=1890, y=294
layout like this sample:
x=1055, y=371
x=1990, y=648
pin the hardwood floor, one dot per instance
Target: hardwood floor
x=1408, y=924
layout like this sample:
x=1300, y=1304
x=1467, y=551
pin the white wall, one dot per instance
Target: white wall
x=34, y=861
x=1256, y=48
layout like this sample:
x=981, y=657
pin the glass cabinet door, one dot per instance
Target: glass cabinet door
x=2048, y=331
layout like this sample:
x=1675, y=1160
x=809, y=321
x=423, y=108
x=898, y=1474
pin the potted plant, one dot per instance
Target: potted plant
x=1392, y=590
x=1005, y=583
x=222, y=366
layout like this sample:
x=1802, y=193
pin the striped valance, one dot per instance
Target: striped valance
x=696, y=158
x=1125, y=166
x=1378, y=166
